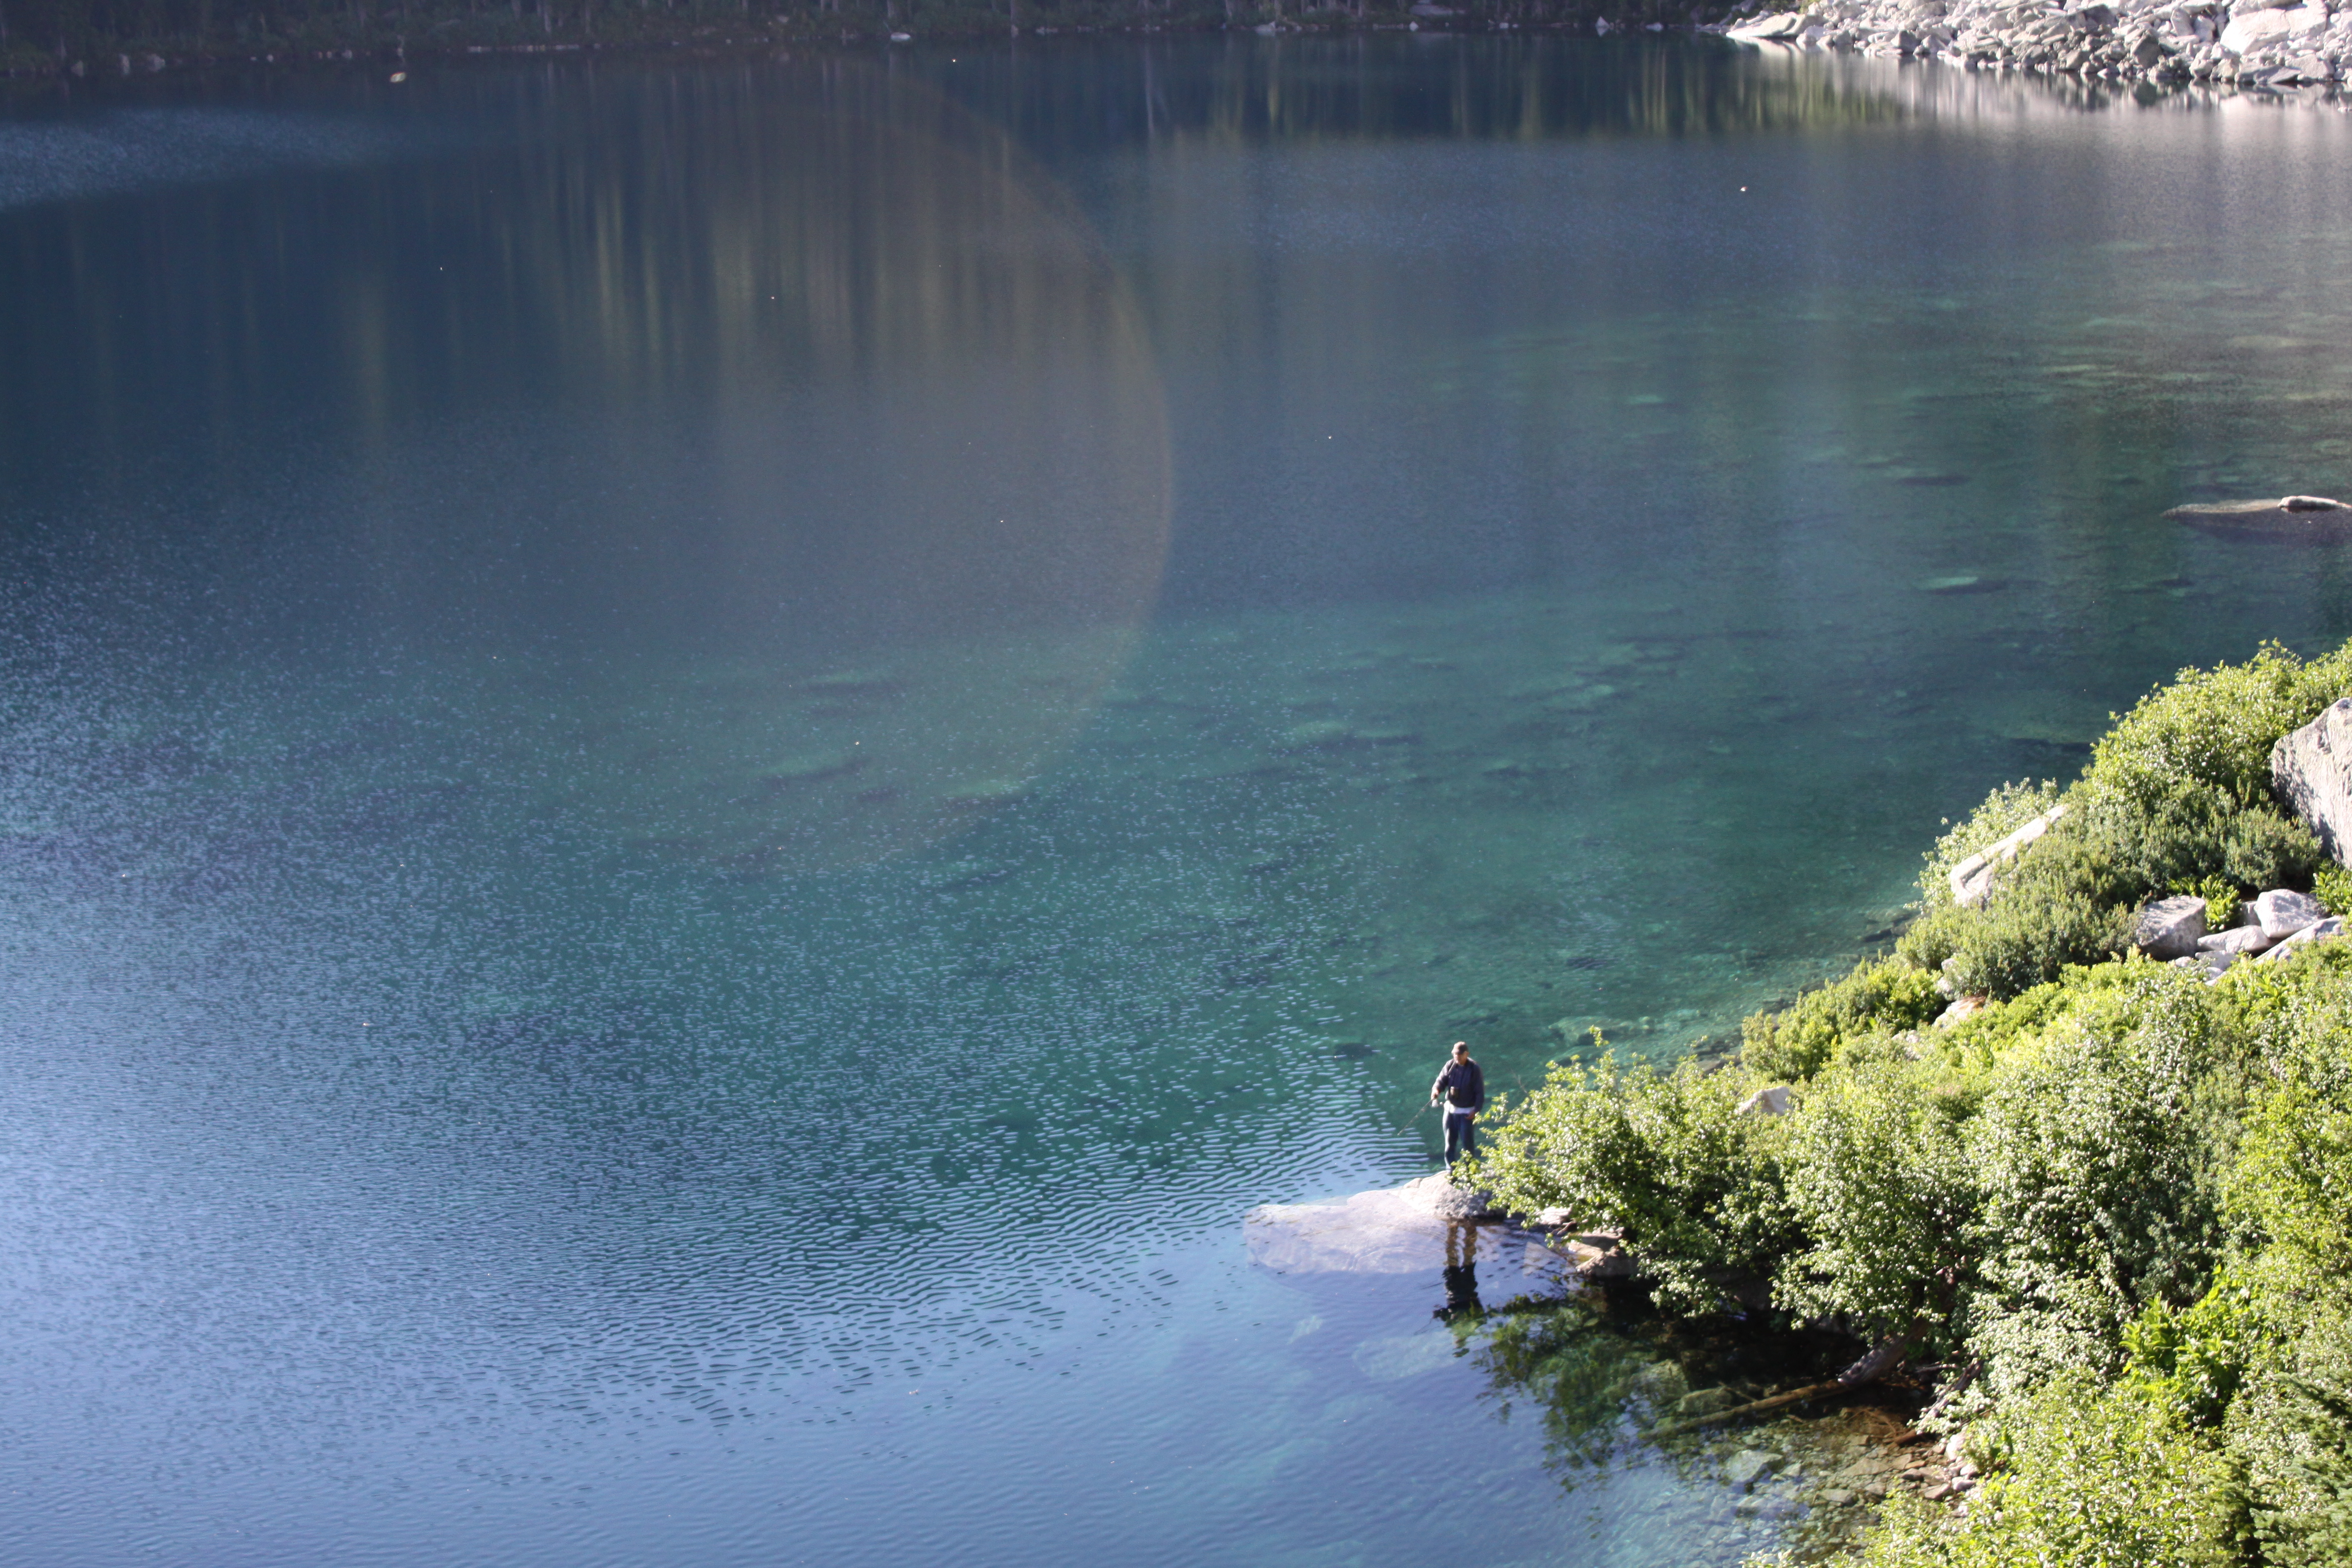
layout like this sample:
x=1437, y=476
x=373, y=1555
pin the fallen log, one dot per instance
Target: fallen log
x=1884, y=1358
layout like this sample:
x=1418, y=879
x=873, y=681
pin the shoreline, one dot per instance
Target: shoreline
x=2202, y=43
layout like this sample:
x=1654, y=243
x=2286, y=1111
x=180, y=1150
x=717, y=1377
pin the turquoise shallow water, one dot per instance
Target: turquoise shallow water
x=708, y=767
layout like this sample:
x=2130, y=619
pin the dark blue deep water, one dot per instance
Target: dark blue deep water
x=705, y=766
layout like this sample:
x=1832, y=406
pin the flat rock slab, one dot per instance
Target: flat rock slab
x=1390, y=1230
x=2315, y=518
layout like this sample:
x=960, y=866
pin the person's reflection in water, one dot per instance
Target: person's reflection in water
x=1462, y=1303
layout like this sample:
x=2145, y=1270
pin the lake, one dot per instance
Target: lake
x=709, y=763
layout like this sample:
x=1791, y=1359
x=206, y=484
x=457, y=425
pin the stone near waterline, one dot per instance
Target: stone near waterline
x=2290, y=517
x=2311, y=768
x=2304, y=940
x=2170, y=927
x=1782, y=24
x=2252, y=29
x=2241, y=939
x=1971, y=880
x=1707, y=1402
x=1772, y=1102
x=1748, y=1467
x=1390, y=1230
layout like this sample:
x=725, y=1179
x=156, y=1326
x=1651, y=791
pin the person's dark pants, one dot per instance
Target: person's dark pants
x=1461, y=1134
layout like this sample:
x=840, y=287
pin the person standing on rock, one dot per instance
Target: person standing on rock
x=1463, y=1088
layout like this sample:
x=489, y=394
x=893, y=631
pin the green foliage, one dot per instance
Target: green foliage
x=2195, y=1361
x=2332, y=885
x=1882, y=996
x=1879, y=1180
x=2048, y=915
x=1695, y=1187
x=2008, y=808
x=2294, y=1432
x=2178, y=795
x=2221, y=896
x=2090, y=1475
x=2125, y=1191
x=2096, y=1150
x=2213, y=730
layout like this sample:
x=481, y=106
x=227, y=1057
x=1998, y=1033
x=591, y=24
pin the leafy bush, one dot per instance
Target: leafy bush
x=1879, y=1179
x=2221, y=901
x=2091, y=1476
x=2047, y=915
x=1882, y=996
x=1665, y=1157
x=2332, y=885
x=2213, y=730
x=2099, y=1152
x=2008, y=808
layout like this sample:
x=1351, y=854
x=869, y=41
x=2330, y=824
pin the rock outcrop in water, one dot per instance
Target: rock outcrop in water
x=2247, y=44
x=2312, y=517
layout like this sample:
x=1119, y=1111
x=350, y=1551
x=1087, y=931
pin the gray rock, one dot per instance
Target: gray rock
x=2312, y=770
x=1773, y=1101
x=2170, y=928
x=2241, y=939
x=2210, y=962
x=1971, y=880
x=2282, y=914
x=1748, y=1467
x=2305, y=938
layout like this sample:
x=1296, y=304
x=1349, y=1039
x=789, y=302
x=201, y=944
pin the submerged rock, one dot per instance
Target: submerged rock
x=2312, y=770
x=2290, y=517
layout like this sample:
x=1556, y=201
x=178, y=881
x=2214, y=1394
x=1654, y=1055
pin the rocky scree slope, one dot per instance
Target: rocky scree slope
x=2248, y=44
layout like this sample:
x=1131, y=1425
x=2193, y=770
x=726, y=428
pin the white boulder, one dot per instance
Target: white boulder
x=2239, y=940
x=2281, y=913
x=2304, y=940
x=1971, y=880
x=2251, y=29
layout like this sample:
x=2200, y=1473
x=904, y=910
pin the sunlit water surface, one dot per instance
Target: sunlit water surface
x=707, y=767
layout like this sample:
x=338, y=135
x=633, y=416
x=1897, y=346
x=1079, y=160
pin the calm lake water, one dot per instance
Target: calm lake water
x=705, y=766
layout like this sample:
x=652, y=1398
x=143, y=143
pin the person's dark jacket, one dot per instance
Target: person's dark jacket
x=1462, y=1086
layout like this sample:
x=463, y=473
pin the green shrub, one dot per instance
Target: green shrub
x=2090, y=1475
x=1883, y=996
x=2221, y=901
x=1879, y=1179
x=1695, y=1186
x=2196, y=1360
x=2101, y=1150
x=2213, y=730
x=2046, y=915
x=2332, y=885
x=2008, y=808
